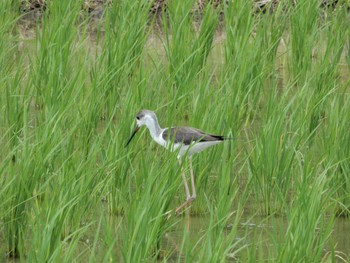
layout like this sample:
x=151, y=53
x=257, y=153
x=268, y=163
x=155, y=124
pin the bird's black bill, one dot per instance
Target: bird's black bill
x=132, y=136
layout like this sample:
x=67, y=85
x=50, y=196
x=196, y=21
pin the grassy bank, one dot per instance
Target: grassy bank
x=279, y=83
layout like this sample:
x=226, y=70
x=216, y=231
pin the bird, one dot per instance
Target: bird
x=186, y=141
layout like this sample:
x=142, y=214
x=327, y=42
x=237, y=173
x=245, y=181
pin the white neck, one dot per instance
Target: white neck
x=154, y=128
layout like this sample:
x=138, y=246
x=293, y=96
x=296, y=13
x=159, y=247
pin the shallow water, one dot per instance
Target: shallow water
x=259, y=230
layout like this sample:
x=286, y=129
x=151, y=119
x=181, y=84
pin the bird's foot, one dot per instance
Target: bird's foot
x=181, y=207
x=187, y=203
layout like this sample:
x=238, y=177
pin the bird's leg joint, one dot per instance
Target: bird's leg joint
x=191, y=198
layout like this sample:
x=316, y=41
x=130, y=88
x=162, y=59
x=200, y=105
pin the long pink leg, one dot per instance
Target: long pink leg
x=193, y=197
x=187, y=191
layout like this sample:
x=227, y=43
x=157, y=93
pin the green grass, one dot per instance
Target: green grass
x=276, y=82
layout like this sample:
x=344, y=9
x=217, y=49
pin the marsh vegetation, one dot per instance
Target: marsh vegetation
x=276, y=81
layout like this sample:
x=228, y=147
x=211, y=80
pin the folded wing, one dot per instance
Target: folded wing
x=187, y=135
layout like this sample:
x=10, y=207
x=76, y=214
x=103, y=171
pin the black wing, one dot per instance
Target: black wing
x=187, y=135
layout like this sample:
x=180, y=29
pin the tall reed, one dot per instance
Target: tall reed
x=274, y=81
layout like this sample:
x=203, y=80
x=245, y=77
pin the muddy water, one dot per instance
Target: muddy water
x=259, y=232
x=341, y=236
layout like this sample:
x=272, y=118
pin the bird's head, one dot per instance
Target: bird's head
x=144, y=117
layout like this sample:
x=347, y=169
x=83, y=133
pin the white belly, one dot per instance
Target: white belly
x=195, y=147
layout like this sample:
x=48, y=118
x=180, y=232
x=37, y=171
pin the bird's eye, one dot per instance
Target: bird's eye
x=137, y=118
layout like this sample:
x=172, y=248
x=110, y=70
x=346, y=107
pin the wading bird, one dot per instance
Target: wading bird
x=184, y=140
